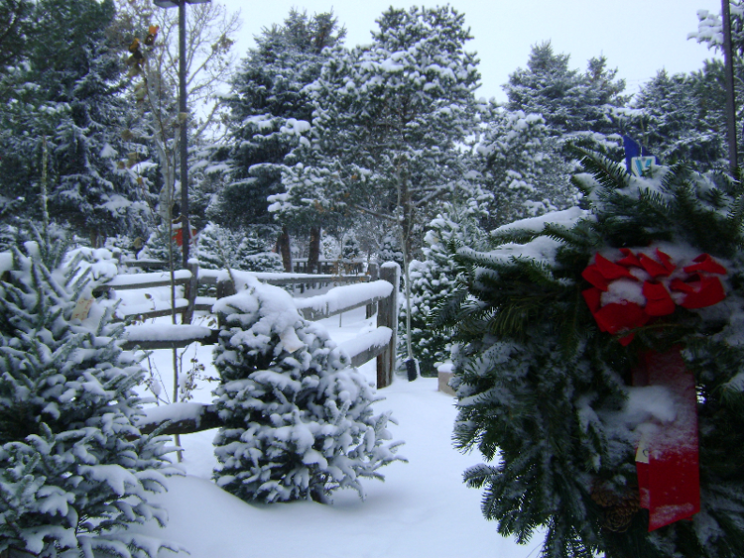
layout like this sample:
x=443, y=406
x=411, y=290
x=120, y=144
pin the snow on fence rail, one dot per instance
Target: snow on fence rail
x=377, y=295
x=185, y=418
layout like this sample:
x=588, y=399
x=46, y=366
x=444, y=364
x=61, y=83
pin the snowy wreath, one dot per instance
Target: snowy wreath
x=601, y=367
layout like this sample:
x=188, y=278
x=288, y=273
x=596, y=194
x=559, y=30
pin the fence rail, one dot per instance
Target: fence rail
x=184, y=418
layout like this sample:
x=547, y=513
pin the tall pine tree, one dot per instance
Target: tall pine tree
x=270, y=112
x=64, y=93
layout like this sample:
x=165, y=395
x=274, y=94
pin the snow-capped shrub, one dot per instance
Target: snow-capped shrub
x=264, y=261
x=156, y=247
x=215, y=247
x=220, y=248
x=390, y=250
x=298, y=417
x=74, y=470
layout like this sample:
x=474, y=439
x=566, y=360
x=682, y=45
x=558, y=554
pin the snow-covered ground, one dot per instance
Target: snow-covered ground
x=422, y=508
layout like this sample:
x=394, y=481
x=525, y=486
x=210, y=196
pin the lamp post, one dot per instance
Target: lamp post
x=182, y=117
x=730, y=95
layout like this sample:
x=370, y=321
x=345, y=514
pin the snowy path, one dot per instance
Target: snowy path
x=422, y=508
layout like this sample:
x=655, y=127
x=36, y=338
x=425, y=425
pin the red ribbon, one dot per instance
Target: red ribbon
x=178, y=235
x=667, y=462
x=700, y=289
x=667, y=465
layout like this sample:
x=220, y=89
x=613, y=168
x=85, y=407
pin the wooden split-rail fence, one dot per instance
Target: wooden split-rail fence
x=184, y=418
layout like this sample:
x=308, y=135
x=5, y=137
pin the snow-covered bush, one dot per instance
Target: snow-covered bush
x=220, y=248
x=215, y=247
x=156, y=247
x=74, y=470
x=351, y=249
x=263, y=261
x=390, y=250
x=298, y=418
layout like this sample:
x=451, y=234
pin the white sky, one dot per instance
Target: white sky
x=638, y=37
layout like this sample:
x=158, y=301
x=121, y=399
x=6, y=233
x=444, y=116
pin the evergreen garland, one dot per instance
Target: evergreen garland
x=542, y=390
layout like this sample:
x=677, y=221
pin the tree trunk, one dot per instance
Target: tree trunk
x=314, y=253
x=282, y=245
x=97, y=240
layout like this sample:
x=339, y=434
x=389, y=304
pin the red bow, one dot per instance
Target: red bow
x=652, y=282
x=626, y=295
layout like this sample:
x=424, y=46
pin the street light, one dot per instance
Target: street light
x=183, y=119
x=730, y=94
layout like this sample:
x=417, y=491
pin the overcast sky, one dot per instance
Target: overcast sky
x=638, y=37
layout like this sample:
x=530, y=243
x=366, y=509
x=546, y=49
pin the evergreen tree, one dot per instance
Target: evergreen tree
x=213, y=248
x=270, y=112
x=252, y=255
x=156, y=247
x=63, y=104
x=568, y=100
x=75, y=472
x=521, y=163
x=17, y=26
x=390, y=250
x=388, y=121
x=435, y=277
x=298, y=418
x=547, y=393
x=681, y=117
x=351, y=249
x=388, y=118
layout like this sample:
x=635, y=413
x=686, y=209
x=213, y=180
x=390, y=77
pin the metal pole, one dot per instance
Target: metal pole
x=730, y=98
x=183, y=121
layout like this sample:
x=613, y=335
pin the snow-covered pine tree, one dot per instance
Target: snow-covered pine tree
x=522, y=165
x=156, y=246
x=570, y=101
x=680, y=117
x=435, y=277
x=351, y=249
x=298, y=418
x=389, y=250
x=216, y=247
x=551, y=397
x=270, y=115
x=19, y=16
x=262, y=262
x=387, y=119
x=64, y=93
x=250, y=245
x=75, y=472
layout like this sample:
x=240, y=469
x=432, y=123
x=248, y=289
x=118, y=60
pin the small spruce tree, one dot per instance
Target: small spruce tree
x=75, y=472
x=298, y=418
x=435, y=277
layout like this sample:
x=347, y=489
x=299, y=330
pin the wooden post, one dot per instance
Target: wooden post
x=387, y=316
x=190, y=289
x=225, y=288
x=374, y=275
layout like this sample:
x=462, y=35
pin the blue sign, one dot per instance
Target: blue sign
x=637, y=159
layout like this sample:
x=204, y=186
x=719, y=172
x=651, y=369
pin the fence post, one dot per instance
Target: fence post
x=374, y=274
x=387, y=316
x=190, y=290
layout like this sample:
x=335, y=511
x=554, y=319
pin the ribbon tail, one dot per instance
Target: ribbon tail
x=670, y=483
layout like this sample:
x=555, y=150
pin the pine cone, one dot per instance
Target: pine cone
x=619, y=508
x=603, y=495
